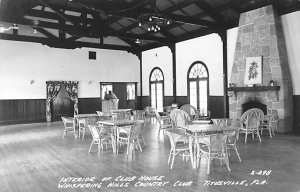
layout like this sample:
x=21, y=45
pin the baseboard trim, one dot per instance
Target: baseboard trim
x=11, y=122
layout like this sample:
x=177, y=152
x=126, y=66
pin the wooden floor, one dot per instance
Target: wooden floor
x=35, y=157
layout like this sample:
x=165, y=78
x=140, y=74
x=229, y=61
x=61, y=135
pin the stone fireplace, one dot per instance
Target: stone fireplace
x=260, y=33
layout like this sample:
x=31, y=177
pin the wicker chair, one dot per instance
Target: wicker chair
x=69, y=124
x=250, y=122
x=231, y=136
x=179, y=144
x=179, y=118
x=214, y=147
x=129, y=135
x=164, y=123
x=101, y=136
x=266, y=124
x=190, y=110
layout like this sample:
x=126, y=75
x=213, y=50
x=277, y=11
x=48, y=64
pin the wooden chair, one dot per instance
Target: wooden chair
x=69, y=124
x=190, y=110
x=179, y=145
x=164, y=122
x=179, y=118
x=129, y=136
x=213, y=147
x=250, y=122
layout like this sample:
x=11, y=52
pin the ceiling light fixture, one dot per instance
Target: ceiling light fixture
x=153, y=21
x=3, y=29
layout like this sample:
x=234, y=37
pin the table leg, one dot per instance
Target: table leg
x=116, y=139
x=191, y=150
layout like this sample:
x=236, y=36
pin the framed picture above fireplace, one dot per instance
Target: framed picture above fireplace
x=253, y=72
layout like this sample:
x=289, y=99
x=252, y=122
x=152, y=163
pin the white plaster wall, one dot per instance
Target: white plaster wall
x=207, y=49
x=231, y=41
x=162, y=58
x=21, y=62
x=291, y=28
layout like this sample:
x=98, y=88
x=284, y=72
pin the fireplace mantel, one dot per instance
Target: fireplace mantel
x=252, y=89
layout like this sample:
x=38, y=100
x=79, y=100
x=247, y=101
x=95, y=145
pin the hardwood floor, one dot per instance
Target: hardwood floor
x=35, y=157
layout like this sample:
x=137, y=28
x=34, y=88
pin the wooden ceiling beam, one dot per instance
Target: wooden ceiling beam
x=64, y=43
x=60, y=13
x=100, y=23
x=210, y=12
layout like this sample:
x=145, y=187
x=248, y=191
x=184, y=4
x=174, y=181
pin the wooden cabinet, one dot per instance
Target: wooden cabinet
x=108, y=105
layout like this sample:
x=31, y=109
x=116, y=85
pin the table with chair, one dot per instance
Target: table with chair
x=124, y=130
x=209, y=140
x=138, y=114
x=121, y=113
x=82, y=121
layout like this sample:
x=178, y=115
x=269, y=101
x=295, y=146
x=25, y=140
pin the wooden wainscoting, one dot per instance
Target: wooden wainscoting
x=22, y=111
x=89, y=105
x=296, y=113
x=181, y=100
x=168, y=100
x=215, y=104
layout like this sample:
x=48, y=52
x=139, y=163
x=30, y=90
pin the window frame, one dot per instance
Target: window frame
x=156, y=82
x=134, y=94
x=101, y=88
x=197, y=80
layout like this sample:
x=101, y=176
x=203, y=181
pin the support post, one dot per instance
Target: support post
x=223, y=35
x=173, y=50
x=139, y=55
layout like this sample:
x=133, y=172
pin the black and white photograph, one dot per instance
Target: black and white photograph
x=149, y=96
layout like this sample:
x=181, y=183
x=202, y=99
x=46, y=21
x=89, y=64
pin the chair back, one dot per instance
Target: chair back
x=134, y=131
x=190, y=110
x=232, y=136
x=218, y=142
x=179, y=118
x=222, y=121
x=149, y=111
x=214, y=142
x=138, y=114
x=252, y=117
x=176, y=135
x=94, y=132
x=105, y=130
x=68, y=121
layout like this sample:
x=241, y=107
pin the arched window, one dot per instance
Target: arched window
x=198, y=86
x=157, y=89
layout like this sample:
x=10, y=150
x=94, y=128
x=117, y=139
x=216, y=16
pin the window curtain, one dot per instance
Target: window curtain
x=52, y=88
x=72, y=89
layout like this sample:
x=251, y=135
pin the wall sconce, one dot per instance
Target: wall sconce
x=3, y=29
x=31, y=82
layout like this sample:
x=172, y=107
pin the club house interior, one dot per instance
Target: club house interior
x=149, y=95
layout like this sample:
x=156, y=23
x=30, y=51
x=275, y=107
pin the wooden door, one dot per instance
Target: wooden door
x=62, y=105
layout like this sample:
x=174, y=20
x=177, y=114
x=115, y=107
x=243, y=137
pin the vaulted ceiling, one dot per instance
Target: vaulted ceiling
x=114, y=24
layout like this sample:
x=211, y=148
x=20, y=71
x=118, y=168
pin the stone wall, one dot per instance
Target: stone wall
x=260, y=33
